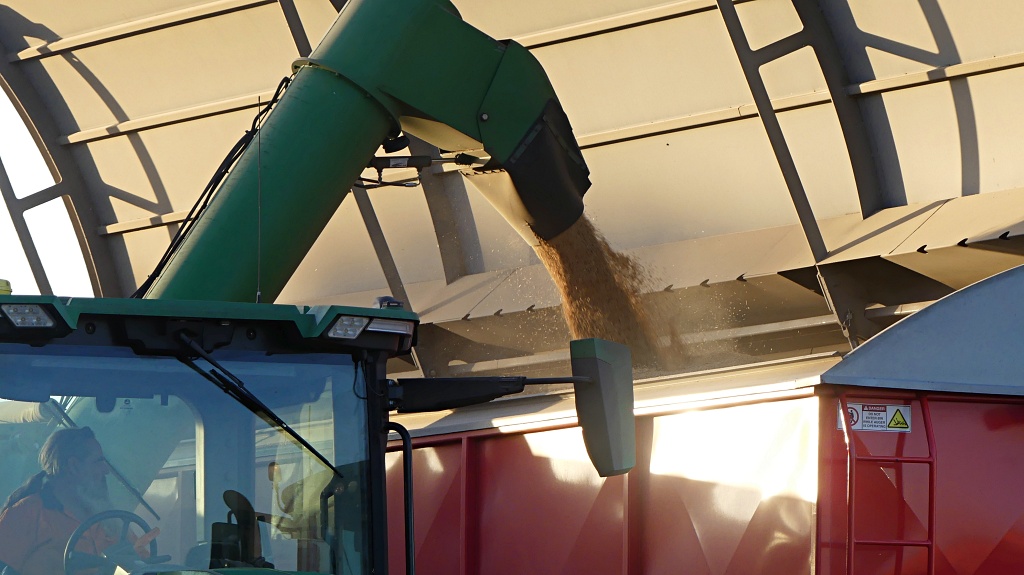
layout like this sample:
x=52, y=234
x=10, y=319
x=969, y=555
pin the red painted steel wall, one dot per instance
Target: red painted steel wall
x=494, y=503
x=978, y=495
x=487, y=504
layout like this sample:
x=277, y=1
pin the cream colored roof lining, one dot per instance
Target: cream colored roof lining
x=142, y=99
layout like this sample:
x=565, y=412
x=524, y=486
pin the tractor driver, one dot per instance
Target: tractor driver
x=38, y=519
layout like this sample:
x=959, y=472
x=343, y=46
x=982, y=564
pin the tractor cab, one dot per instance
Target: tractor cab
x=148, y=436
x=241, y=431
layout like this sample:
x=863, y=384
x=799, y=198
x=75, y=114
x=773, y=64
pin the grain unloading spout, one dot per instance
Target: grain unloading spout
x=604, y=406
x=539, y=190
x=383, y=67
x=602, y=376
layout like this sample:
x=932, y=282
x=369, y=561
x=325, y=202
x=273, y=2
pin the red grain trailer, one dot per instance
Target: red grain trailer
x=752, y=470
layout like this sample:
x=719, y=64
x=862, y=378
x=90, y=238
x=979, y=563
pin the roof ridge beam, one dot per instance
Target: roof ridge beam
x=135, y=28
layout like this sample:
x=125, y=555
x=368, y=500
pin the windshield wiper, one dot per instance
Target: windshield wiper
x=113, y=470
x=230, y=384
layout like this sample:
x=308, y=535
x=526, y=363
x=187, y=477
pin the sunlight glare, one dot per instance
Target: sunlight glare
x=771, y=447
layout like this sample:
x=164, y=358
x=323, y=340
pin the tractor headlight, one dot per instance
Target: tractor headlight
x=347, y=327
x=27, y=315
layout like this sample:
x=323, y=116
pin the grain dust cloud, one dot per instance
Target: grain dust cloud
x=601, y=291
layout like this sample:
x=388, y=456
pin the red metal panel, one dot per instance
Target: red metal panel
x=437, y=475
x=979, y=506
x=980, y=500
x=890, y=499
x=531, y=503
x=543, y=508
x=727, y=491
x=832, y=492
x=497, y=503
x=534, y=504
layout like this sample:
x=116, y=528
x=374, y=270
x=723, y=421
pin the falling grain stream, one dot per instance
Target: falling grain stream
x=600, y=291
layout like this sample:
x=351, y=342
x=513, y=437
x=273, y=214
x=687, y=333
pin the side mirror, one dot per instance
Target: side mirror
x=604, y=406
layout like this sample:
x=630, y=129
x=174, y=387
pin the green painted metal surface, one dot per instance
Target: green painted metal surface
x=601, y=349
x=310, y=322
x=605, y=405
x=285, y=188
x=425, y=62
x=515, y=100
x=416, y=56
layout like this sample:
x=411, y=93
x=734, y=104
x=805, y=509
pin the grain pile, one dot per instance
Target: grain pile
x=600, y=290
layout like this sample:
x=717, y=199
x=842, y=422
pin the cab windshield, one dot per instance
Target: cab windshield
x=225, y=488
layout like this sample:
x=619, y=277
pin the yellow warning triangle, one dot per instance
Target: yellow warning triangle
x=898, y=421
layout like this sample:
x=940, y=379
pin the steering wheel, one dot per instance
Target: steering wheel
x=121, y=552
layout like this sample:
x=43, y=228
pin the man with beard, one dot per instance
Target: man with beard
x=39, y=517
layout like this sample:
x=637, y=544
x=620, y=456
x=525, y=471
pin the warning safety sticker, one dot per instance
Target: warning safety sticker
x=876, y=417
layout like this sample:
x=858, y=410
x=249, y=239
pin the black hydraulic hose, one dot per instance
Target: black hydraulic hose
x=193, y=214
x=410, y=541
x=207, y=194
